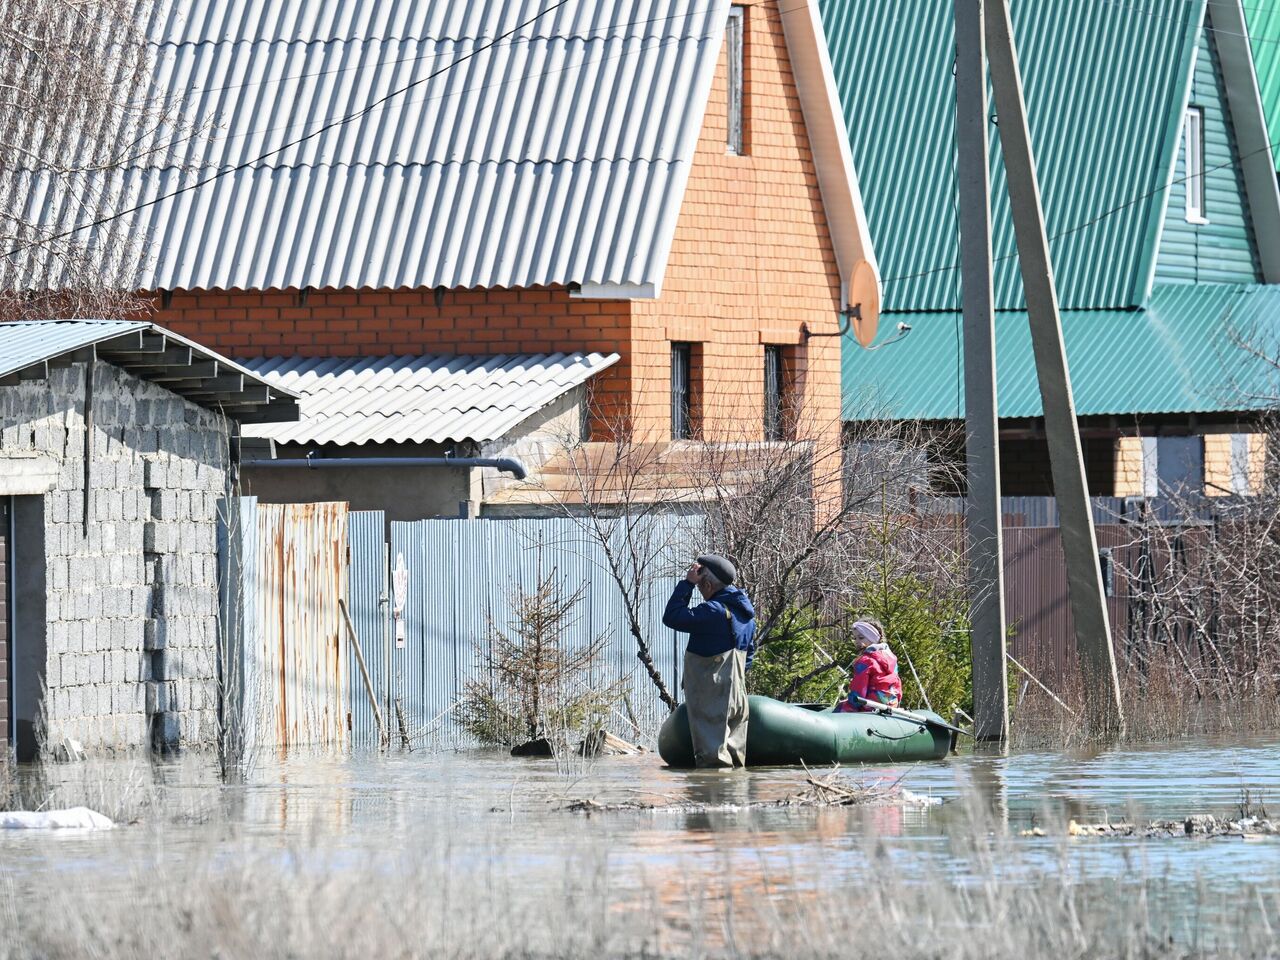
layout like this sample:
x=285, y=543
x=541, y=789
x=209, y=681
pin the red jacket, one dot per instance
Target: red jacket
x=875, y=677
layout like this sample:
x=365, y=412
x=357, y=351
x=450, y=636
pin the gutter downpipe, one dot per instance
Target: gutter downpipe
x=504, y=464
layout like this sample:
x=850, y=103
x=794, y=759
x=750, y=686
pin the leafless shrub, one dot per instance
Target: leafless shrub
x=807, y=519
x=77, y=116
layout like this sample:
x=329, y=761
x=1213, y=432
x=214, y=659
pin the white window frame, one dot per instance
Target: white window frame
x=1193, y=157
x=735, y=46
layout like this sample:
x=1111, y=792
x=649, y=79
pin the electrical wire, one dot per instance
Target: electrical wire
x=262, y=131
x=353, y=115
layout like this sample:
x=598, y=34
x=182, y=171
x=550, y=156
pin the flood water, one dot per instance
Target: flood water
x=490, y=808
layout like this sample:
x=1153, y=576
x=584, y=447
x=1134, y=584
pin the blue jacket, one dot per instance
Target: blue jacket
x=722, y=623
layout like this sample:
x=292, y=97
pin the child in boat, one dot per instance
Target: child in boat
x=875, y=672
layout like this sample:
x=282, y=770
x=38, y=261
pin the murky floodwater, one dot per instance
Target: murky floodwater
x=490, y=811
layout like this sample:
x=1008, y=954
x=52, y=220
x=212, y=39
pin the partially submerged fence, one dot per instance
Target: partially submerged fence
x=422, y=606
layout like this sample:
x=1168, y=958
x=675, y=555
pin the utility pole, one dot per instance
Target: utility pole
x=982, y=448
x=1066, y=462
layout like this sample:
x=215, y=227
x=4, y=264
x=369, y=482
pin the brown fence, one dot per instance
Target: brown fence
x=1137, y=571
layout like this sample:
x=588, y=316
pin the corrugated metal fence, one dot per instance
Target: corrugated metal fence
x=461, y=575
x=420, y=606
x=288, y=655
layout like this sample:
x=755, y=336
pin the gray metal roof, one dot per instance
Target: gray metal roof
x=29, y=348
x=419, y=399
x=558, y=155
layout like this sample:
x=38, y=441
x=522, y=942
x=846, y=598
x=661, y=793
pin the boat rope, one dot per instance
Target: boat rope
x=885, y=736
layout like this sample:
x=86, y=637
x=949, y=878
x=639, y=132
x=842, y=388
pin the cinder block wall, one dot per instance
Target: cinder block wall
x=130, y=599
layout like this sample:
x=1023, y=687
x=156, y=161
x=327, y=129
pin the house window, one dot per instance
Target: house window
x=1193, y=155
x=1178, y=466
x=1241, y=484
x=734, y=36
x=774, y=394
x=681, y=391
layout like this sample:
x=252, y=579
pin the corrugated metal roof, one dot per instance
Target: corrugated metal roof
x=557, y=155
x=149, y=352
x=1263, y=19
x=26, y=344
x=419, y=399
x=1104, y=82
x=1181, y=355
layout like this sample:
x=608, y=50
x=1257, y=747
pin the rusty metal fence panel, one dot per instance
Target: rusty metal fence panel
x=463, y=574
x=295, y=652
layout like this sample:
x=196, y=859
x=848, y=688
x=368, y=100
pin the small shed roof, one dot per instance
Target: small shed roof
x=419, y=399
x=29, y=348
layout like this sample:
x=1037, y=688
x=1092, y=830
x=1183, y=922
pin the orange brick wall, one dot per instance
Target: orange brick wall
x=751, y=253
x=346, y=323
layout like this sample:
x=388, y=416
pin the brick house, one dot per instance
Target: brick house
x=1163, y=217
x=114, y=456
x=669, y=182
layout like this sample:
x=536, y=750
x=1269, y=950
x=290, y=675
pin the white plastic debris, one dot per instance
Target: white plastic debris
x=920, y=799
x=74, y=818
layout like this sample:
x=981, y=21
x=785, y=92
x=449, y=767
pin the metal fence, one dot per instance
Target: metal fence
x=462, y=578
x=422, y=608
x=287, y=655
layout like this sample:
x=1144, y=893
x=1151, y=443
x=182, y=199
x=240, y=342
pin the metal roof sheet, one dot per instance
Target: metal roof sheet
x=1104, y=84
x=1181, y=355
x=148, y=352
x=31, y=342
x=556, y=155
x=419, y=399
x=1264, y=38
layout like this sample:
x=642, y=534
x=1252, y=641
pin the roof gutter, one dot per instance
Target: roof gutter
x=504, y=464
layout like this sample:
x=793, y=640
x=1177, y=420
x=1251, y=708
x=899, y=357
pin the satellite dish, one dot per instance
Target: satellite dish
x=864, y=299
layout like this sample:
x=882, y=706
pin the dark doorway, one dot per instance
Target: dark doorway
x=6, y=668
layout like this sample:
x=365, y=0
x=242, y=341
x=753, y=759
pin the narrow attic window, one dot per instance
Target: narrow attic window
x=774, y=394
x=734, y=44
x=1193, y=155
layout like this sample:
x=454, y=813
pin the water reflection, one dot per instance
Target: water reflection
x=486, y=808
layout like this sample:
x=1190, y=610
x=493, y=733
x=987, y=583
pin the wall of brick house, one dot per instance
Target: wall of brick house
x=751, y=260
x=345, y=323
x=126, y=605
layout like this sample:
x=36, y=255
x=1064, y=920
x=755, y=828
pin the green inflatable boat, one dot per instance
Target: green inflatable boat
x=787, y=734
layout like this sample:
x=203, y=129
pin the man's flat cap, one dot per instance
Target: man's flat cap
x=718, y=567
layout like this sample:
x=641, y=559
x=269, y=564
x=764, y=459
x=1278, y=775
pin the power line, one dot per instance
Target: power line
x=346, y=118
x=293, y=143
x=1095, y=219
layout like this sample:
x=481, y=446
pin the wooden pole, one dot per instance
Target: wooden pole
x=1066, y=461
x=364, y=672
x=985, y=545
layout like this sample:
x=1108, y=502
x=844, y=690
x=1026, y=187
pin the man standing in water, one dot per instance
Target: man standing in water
x=722, y=633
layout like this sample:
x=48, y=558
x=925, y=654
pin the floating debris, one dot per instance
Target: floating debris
x=1196, y=825
x=829, y=791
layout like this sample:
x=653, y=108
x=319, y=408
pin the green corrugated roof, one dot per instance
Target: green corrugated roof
x=1104, y=82
x=1181, y=355
x=1263, y=18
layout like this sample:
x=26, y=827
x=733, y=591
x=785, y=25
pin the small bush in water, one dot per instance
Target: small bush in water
x=535, y=683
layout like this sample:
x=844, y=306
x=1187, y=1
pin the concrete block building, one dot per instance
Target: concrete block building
x=114, y=457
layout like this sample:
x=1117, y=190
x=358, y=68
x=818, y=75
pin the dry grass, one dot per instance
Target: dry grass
x=1159, y=704
x=437, y=904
